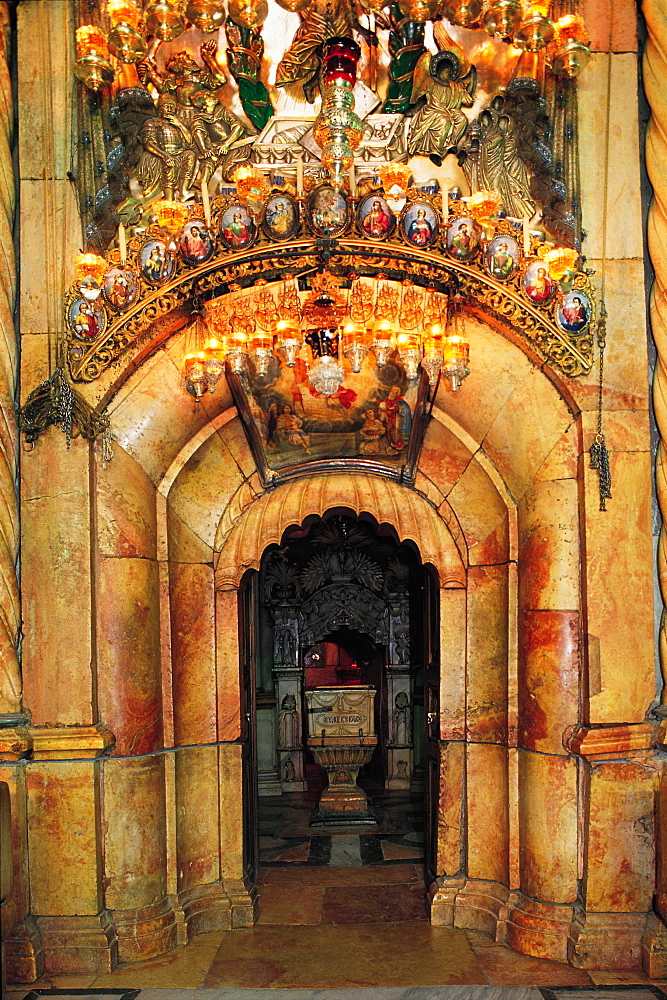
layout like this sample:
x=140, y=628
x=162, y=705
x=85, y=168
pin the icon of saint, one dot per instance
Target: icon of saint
x=502, y=262
x=463, y=241
x=377, y=222
x=237, y=233
x=539, y=288
x=574, y=315
x=420, y=230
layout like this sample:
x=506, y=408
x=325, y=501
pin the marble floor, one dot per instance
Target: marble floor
x=342, y=928
x=288, y=840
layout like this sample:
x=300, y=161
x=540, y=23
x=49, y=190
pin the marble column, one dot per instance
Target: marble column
x=549, y=691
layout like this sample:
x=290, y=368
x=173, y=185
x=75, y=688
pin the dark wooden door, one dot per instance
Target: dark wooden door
x=431, y=720
x=248, y=612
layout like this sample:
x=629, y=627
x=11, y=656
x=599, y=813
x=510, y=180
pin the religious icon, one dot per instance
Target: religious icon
x=288, y=426
x=575, y=312
x=502, y=255
x=537, y=284
x=281, y=217
x=157, y=263
x=120, y=288
x=462, y=239
x=397, y=416
x=419, y=224
x=373, y=434
x=327, y=211
x=196, y=244
x=87, y=320
x=374, y=217
x=237, y=228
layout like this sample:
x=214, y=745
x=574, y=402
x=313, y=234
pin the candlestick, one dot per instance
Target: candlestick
x=299, y=176
x=353, y=180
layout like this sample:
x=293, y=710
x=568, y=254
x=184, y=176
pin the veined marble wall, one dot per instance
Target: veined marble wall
x=130, y=772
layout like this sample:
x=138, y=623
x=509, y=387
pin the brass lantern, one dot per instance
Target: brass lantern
x=502, y=17
x=572, y=51
x=164, y=20
x=248, y=13
x=535, y=30
x=207, y=15
x=125, y=41
x=92, y=66
x=463, y=12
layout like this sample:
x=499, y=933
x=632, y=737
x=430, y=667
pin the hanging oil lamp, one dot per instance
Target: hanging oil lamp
x=207, y=15
x=90, y=270
x=419, y=10
x=433, y=354
x=338, y=130
x=261, y=352
x=355, y=344
x=572, y=52
x=383, y=341
x=535, y=29
x=455, y=349
x=164, y=20
x=463, y=12
x=289, y=340
x=171, y=215
x=194, y=375
x=410, y=352
x=502, y=17
x=248, y=13
x=125, y=41
x=214, y=363
x=293, y=6
x=92, y=66
x=326, y=376
x=559, y=260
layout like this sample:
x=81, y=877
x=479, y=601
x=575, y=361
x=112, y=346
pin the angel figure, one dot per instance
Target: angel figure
x=448, y=84
x=498, y=165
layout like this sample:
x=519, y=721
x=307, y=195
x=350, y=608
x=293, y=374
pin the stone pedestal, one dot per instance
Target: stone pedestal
x=343, y=801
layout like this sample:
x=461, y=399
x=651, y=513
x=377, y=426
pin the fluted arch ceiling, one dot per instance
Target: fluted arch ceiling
x=388, y=502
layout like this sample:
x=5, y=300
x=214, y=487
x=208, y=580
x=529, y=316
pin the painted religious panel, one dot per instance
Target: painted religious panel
x=280, y=220
x=575, y=312
x=374, y=217
x=419, y=224
x=462, y=238
x=120, y=288
x=537, y=284
x=327, y=211
x=502, y=257
x=195, y=244
x=87, y=320
x=237, y=228
x=156, y=262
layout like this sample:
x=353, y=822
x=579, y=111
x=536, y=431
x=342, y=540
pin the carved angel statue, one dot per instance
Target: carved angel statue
x=448, y=82
x=497, y=166
x=301, y=63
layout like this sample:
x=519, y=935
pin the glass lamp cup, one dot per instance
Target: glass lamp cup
x=456, y=354
x=502, y=17
x=355, y=345
x=248, y=13
x=534, y=32
x=90, y=265
x=123, y=11
x=410, y=353
x=570, y=58
x=171, y=215
x=195, y=376
x=289, y=341
x=559, y=260
x=92, y=66
x=463, y=12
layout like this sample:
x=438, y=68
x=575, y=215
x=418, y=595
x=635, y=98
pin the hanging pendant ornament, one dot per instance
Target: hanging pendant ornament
x=599, y=454
x=164, y=20
x=338, y=130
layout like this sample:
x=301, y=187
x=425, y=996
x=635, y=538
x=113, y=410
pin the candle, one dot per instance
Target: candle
x=122, y=244
x=299, y=176
x=526, y=236
x=353, y=180
x=206, y=201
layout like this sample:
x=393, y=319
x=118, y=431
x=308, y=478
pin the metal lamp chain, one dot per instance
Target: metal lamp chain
x=599, y=454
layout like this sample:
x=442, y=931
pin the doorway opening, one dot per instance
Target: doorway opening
x=343, y=607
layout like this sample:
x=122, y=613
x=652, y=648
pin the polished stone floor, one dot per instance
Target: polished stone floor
x=287, y=839
x=341, y=928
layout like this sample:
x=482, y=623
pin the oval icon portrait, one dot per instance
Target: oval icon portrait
x=327, y=211
x=374, y=217
x=419, y=224
x=87, y=320
x=237, y=228
x=537, y=284
x=195, y=244
x=575, y=312
x=502, y=257
x=281, y=217
x=120, y=288
x=157, y=263
x=462, y=239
